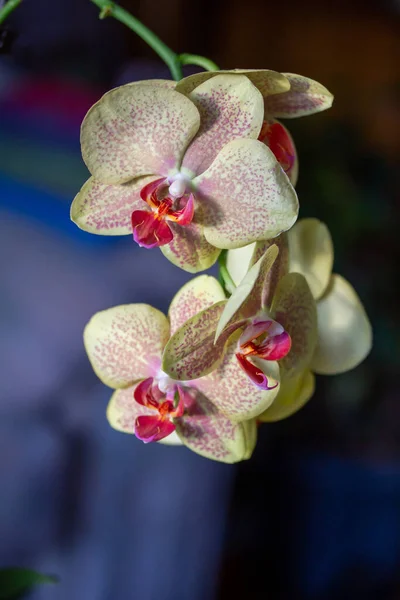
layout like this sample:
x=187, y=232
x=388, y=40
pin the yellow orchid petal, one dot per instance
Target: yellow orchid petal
x=268, y=82
x=107, y=209
x=294, y=308
x=305, y=97
x=239, y=261
x=163, y=83
x=137, y=130
x=231, y=390
x=293, y=394
x=171, y=440
x=344, y=331
x=247, y=196
x=250, y=434
x=230, y=107
x=189, y=249
x=311, y=253
x=195, y=296
x=125, y=343
x=206, y=431
x=123, y=409
x=246, y=300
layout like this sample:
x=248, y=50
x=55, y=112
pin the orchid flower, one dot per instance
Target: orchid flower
x=286, y=96
x=344, y=333
x=125, y=346
x=185, y=173
x=269, y=334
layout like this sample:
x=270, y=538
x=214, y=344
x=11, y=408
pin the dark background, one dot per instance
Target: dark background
x=315, y=514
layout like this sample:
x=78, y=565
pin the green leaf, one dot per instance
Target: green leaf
x=15, y=581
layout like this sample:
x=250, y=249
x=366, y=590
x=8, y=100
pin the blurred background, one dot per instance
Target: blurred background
x=315, y=514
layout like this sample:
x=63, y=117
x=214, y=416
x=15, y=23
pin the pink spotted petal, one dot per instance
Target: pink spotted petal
x=152, y=429
x=184, y=216
x=137, y=130
x=233, y=392
x=266, y=81
x=125, y=343
x=191, y=352
x=255, y=373
x=246, y=195
x=189, y=249
x=106, y=209
x=196, y=295
x=230, y=107
x=294, y=308
x=305, y=97
x=208, y=432
x=148, y=231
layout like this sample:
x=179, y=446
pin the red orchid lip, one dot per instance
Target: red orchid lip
x=254, y=373
x=264, y=339
x=150, y=228
x=275, y=136
x=152, y=428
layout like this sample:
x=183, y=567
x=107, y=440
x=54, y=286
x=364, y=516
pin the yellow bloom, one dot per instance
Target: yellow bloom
x=344, y=331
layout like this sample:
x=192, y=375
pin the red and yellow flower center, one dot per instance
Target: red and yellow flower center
x=265, y=339
x=278, y=140
x=154, y=427
x=173, y=203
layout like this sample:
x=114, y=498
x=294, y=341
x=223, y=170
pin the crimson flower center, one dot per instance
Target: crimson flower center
x=165, y=204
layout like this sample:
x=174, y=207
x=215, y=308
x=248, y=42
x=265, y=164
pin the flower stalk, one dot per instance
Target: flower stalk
x=8, y=8
x=173, y=61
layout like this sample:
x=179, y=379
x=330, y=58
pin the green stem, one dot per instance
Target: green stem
x=200, y=61
x=173, y=61
x=8, y=8
x=110, y=9
x=224, y=274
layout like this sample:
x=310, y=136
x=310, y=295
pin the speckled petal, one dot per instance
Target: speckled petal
x=230, y=107
x=191, y=352
x=230, y=389
x=137, y=130
x=268, y=82
x=294, y=308
x=293, y=395
x=311, y=253
x=246, y=195
x=122, y=410
x=107, y=209
x=189, y=249
x=344, y=331
x=195, y=296
x=163, y=83
x=206, y=431
x=305, y=97
x=125, y=343
x=245, y=301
